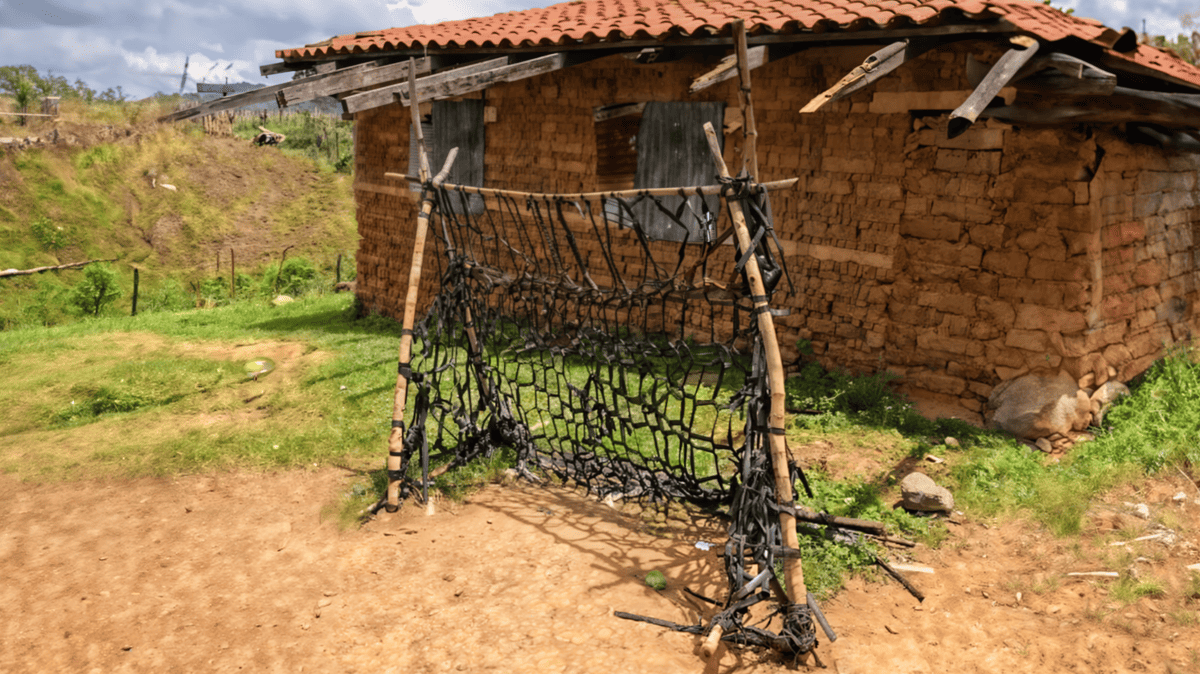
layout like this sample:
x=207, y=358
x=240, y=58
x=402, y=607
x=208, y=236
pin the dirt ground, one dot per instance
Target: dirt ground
x=239, y=572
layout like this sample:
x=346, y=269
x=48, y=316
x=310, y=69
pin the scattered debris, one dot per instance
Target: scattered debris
x=268, y=137
x=1139, y=510
x=912, y=568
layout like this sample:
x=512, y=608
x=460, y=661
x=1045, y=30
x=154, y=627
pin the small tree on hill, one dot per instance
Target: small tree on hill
x=98, y=289
x=23, y=96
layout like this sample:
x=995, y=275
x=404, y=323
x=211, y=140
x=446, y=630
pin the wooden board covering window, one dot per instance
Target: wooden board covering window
x=455, y=124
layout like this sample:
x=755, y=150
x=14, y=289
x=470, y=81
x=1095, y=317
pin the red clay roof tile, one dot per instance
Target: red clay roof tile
x=592, y=21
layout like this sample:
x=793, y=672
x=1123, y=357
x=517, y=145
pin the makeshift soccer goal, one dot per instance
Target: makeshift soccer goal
x=634, y=368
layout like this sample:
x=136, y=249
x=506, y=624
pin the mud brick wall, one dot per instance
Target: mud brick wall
x=955, y=264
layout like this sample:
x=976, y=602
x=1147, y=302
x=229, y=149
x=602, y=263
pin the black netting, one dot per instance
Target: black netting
x=631, y=367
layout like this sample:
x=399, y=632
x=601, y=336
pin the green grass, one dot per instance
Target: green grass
x=68, y=204
x=68, y=405
x=1128, y=590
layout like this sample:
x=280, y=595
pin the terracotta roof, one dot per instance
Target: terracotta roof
x=609, y=21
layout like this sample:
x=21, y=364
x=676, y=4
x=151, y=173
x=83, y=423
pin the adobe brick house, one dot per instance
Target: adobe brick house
x=1057, y=232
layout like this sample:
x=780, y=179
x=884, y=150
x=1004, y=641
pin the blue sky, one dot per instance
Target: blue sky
x=141, y=45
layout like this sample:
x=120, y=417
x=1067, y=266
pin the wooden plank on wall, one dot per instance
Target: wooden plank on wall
x=386, y=95
x=468, y=83
x=727, y=69
x=265, y=95
x=349, y=79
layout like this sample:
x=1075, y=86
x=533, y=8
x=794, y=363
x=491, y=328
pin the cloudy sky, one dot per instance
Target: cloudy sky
x=141, y=45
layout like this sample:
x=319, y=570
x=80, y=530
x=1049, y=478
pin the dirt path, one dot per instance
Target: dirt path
x=237, y=572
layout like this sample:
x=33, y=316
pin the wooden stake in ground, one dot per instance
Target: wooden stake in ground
x=784, y=490
x=396, y=439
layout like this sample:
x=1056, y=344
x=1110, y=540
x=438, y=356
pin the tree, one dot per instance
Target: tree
x=98, y=289
x=50, y=85
x=23, y=96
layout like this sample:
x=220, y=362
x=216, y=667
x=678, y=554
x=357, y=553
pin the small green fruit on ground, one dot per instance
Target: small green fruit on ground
x=656, y=580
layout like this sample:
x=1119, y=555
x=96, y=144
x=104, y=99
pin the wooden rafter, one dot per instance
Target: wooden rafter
x=997, y=78
x=382, y=96
x=344, y=83
x=477, y=81
x=870, y=70
x=1123, y=106
x=343, y=79
x=727, y=69
x=1064, y=74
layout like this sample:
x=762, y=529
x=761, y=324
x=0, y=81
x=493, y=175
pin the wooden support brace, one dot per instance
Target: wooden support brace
x=728, y=69
x=1123, y=106
x=784, y=490
x=873, y=69
x=429, y=90
x=399, y=401
x=1065, y=75
x=997, y=78
x=387, y=95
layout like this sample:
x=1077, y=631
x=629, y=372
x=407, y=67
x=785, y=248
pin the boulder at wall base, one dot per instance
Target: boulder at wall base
x=919, y=492
x=1038, y=405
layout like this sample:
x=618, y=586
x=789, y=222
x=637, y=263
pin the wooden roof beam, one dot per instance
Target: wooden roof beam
x=351, y=79
x=872, y=69
x=477, y=81
x=385, y=95
x=1176, y=111
x=728, y=69
x=464, y=79
x=997, y=78
x=1064, y=74
x=269, y=94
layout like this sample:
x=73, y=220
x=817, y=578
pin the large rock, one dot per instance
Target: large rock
x=1038, y=405
x=918, y=491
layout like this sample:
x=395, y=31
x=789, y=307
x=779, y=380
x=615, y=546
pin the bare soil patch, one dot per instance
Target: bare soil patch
x=239, y=572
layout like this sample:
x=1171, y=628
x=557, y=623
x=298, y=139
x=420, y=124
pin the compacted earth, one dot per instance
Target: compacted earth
x=240, y=572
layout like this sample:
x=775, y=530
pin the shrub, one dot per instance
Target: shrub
x=50, y=237
x=296, y=277
x=98, y=289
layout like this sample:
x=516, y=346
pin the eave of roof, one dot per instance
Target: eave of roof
x=612, y=22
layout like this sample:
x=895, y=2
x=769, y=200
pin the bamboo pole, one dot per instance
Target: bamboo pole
x=396, y=438
x=745, y=102
x=784, y=491
x=702, y=190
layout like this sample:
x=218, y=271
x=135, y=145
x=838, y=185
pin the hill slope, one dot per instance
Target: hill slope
x=169, y=199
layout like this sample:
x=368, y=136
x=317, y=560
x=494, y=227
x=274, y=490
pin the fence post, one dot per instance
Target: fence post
x=135, y=291
x=232, y=276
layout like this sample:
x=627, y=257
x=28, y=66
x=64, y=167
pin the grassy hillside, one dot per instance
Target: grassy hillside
x=99, y=194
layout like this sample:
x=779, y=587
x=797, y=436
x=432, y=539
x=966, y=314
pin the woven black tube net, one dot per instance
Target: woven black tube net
x=631, y=367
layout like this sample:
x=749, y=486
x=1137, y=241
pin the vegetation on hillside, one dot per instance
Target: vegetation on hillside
x=167, y=200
